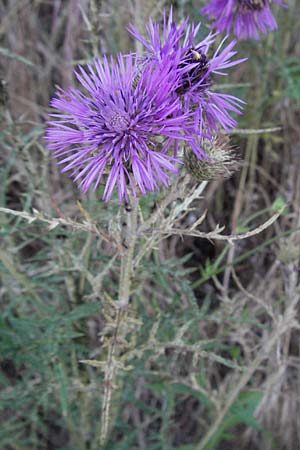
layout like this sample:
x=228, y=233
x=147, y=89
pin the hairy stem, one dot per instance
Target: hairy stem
x=111, y=369
x=126, y=258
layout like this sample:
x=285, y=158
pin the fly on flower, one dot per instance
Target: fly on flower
x=246, y=17
x=122, y=128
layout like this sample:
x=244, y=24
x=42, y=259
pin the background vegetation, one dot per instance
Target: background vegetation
x=212, y=344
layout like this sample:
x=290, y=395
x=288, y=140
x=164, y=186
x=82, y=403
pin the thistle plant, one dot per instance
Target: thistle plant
x=145, y=132
x=137, y=123
x=129, y=127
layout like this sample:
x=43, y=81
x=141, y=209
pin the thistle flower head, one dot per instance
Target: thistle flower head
x=127, y=124
x=195, y=65
x=122, y=127
x=221, y=160
x=246, y=17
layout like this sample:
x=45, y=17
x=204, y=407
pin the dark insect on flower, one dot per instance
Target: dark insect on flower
x=254, y=5
x=246, y=17
x=196, y=73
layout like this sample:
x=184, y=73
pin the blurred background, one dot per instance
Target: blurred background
x=216, y=346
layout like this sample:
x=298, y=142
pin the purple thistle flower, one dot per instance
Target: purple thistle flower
x=245, y=16
x=175, y=44
x=124, y=126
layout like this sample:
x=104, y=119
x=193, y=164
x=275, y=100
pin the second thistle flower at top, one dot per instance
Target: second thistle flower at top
x=246, y=17
x=196, y=65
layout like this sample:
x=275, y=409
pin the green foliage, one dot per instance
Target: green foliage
x=241, y=412
x=291, y=75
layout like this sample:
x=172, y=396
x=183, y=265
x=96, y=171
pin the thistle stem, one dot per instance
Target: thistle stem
x=127, y=257
x=129, y=240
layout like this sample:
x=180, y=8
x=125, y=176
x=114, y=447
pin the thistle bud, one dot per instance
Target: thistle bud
x=221, y=161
